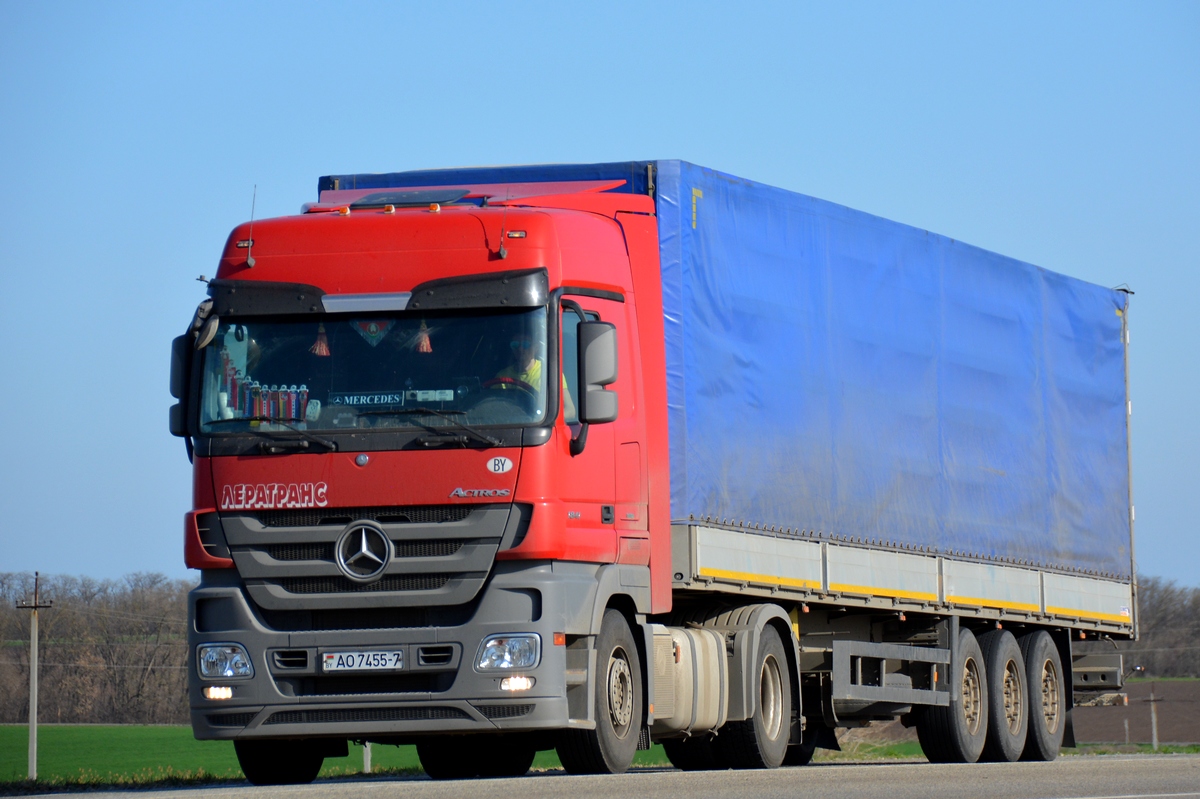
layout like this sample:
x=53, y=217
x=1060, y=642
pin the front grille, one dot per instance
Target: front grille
x=301, y=551
x=427, y=549
x=291, y=659
x=370, y=684
x=341, y=585
x=432, y=548
x=403, y=514
x=369, y=714
x=504, y=711
x=366, y=618
x=230, y=719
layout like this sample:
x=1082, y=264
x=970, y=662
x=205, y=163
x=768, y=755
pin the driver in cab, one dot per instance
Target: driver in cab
x=525, y=371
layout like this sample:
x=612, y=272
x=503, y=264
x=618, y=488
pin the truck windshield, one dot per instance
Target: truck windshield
x=391, y=371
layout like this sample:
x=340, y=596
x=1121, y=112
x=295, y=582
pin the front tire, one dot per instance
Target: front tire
x=1047, y=697
x=1008, y=697
x=448, y=758
x=609, y=748
x=956, y=733
x=279, y=762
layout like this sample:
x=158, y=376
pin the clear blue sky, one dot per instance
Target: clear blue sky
x=1064, y=134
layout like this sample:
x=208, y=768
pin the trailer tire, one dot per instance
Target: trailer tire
x=761, y=741
x=1047, y=696
x=445, y=758
x=279, y=762
x=609, y=748
x=956, y=733
x=694, y=754
x=1008, y=697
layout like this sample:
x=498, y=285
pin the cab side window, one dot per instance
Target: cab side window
x=570, y=362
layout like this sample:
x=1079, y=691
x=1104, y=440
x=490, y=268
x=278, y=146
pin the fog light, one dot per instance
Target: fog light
x=217, y=692
x=509, y=652
x=222, y=661
x=516, y=683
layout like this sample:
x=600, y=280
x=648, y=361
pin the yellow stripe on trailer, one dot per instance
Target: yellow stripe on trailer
x=748, y=577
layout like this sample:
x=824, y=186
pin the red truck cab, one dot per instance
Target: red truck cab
x=413, y=514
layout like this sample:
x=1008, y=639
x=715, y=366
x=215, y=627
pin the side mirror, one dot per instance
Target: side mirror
x=181, y=360
x=178, y=420
x=597, y=369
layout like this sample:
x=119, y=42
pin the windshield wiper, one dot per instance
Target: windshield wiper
x=447, y=415
x=324, y=442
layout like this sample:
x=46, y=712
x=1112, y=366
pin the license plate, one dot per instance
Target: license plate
x=375, y=660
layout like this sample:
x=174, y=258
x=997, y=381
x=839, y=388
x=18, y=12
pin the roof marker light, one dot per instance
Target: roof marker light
x=435, y=208
x=344, y=211
x=389, y=209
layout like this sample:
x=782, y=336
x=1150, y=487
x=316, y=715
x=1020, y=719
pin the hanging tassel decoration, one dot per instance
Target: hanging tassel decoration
x=423, y=342
x=321, y=347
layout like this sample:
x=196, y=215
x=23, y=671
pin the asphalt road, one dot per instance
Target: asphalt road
x=1107, y=777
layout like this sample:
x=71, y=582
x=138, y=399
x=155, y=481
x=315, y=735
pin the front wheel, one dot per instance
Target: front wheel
x=761, y=741
x=609, y=748
x=280, y=762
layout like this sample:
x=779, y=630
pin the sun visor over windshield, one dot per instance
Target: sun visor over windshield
x=525, y=288
x=263, y=298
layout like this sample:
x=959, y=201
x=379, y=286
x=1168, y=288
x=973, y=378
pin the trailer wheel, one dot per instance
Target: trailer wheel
x=1047, y=696
x=956, y=733
x=761, y=741
x=609, y=748
x=279, y=762
x=695, y=754
x=446, y=758
x=1008, y=697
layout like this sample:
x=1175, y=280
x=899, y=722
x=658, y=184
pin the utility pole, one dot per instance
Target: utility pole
x=33, y=670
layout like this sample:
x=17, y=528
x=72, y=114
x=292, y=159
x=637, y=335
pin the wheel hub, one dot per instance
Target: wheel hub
x=1014, y=701
x=1050, y=696
x=972, y=696
x=620, y=692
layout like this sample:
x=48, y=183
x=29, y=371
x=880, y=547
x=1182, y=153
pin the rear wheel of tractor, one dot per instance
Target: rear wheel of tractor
x=1047, y=696
x=761, y=741
x=609, y=748
x=279, y=762
x=801, y=754
x=1008, y=697
x=956, y=733
x=446, y=758
x=504, y=755
x=695, y=754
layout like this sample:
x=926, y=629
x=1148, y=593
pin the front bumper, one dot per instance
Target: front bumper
x=438, y=691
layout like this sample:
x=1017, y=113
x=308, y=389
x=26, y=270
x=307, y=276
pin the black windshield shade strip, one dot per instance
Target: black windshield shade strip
x=263, y=298
x=580, y=291
x=522, y=288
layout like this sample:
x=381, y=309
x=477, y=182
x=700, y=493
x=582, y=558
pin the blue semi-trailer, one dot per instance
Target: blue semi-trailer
x=857, y=471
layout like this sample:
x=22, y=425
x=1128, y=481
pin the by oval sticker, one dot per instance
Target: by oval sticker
x=499, y=465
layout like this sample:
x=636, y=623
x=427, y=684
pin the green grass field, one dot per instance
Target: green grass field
x=97, y=756
x=126, y=755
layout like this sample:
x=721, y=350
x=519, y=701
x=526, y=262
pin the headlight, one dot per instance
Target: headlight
x=509, y=652
x=222, y=661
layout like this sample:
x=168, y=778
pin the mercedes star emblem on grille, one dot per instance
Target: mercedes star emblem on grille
x=363, y=552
